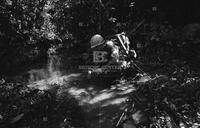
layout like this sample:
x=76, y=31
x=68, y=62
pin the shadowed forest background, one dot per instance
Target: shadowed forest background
x=30, y=28
x=36, y=33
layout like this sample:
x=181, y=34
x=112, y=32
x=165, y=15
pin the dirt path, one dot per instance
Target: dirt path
x=102, y=103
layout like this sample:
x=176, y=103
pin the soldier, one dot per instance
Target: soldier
x=109, y=53
x=104, y=51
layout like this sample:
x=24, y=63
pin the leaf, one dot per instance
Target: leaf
x=129, y=124
x=45, y=119
x=1, y=117
x=138, y=117
x=9, y=2
x=170, y=123
x=17, y=118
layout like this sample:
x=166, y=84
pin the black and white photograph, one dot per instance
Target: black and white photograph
x=99, y=64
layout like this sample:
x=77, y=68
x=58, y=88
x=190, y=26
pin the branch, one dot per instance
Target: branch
x=101, y=3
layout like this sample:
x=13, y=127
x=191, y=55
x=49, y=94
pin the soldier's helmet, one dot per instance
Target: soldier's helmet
x=96, y=40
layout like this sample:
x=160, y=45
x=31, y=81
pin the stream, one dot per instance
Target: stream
x=101, y=101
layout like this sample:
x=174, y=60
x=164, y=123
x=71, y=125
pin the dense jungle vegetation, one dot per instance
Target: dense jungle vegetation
x=167, y=44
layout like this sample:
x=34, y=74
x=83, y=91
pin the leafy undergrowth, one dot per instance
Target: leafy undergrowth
x=21, y=107
x=171, y=94
x=170, y=100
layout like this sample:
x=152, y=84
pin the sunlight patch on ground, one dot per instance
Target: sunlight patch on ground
x=41, y=85
x=73, y=75
x=77, y=92
x=80, y=94
x=55, y=80
x=116, y=101
x=127, y=91
x=101, y=97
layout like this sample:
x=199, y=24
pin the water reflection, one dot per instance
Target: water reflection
x=51, y=70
